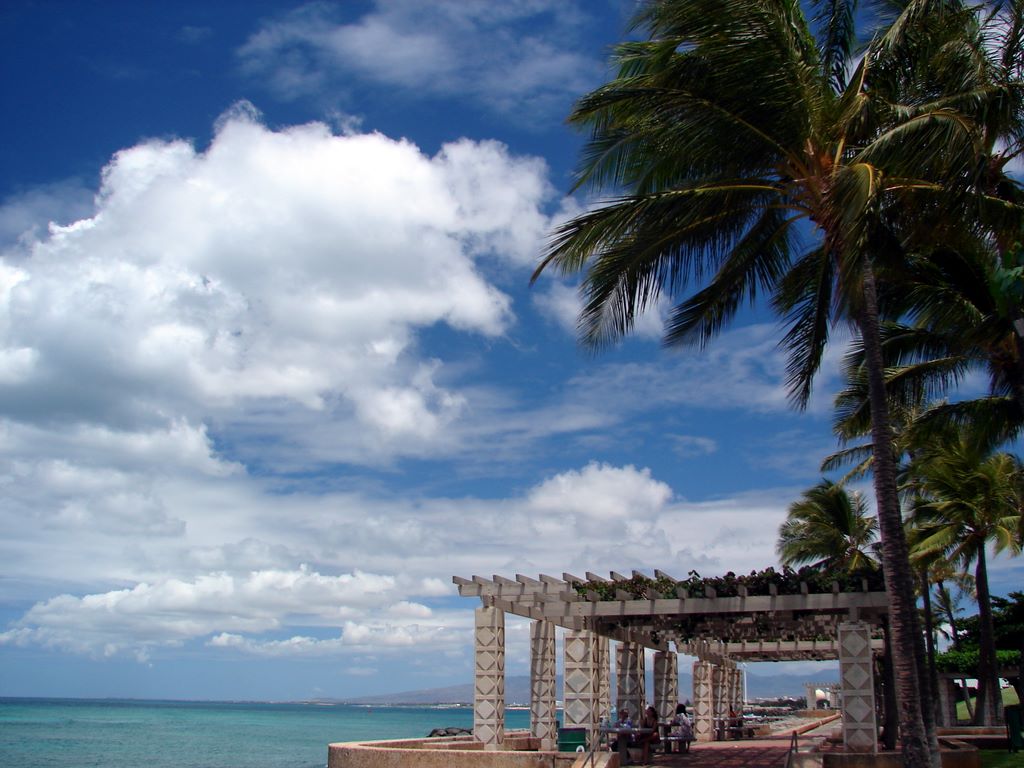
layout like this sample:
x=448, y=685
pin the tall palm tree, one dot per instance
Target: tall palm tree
x=829, y=527
x=724, y=129
x=971, y=499
x=964, y=289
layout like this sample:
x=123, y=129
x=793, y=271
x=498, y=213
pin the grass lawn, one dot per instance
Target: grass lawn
x=992, y=758
x=1009, y=697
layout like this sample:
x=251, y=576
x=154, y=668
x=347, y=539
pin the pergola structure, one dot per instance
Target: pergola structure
x=718, y=631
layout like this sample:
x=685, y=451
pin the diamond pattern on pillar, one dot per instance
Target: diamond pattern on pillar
x=629, y=677
x=702, y=701
x=858, y=710
x=543, y=722
x=581, y=679
x=489, y=677
x=666, y=684
x=577, y=680
x=856, y=677
x=861, y=741
x=720, y=687
x=854, y=644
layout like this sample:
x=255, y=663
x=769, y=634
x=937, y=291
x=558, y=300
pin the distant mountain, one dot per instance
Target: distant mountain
x=517, y=690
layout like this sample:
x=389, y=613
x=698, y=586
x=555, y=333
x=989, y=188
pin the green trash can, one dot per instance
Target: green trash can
x=570, y=739
x=1014, y=728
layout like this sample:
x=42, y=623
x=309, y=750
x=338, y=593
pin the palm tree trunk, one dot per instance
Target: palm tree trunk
x=929, y=634
x=967, y=700
x=890, y=712
x=954, y=635
x=990, y=702
x=919, y=744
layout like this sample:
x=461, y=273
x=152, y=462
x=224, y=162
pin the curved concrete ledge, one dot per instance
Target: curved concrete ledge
x=519, y=750
x=981, y=736
x=953, y=754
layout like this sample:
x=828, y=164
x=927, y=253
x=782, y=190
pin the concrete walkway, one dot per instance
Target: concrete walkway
x=722, y=754
x=769, y=752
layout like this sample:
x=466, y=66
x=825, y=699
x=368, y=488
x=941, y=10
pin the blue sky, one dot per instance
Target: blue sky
x=272, y=372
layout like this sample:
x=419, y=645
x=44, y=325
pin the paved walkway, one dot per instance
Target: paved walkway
x=748, y=753
x=722, y=754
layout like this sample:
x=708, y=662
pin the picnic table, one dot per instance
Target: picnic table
x=732, y=728
x=668, y=738
x=624, y=735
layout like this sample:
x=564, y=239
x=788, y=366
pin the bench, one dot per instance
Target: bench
x=682, y=741
x=741, y=731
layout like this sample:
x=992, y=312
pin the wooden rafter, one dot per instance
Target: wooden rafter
x=772, y=626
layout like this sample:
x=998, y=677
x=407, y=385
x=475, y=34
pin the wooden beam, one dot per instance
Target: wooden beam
x=557, y=592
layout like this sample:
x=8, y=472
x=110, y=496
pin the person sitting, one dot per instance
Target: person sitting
x=623, y=722
x=681, y=731
x=645, y=740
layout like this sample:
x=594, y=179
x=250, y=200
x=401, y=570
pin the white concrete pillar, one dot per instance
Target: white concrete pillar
x=856, y=676
x=666, y=683
x=720, y=693
x=489, y=677
x=703, y=703
x=629, y=678
x=736, y=695
x=581, y=680
x=543, y=722
x=833, y=696
x=604, y=671
x=812, y=695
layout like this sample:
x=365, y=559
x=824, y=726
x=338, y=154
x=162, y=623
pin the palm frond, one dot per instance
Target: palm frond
x=804, y=298
x=755, y=264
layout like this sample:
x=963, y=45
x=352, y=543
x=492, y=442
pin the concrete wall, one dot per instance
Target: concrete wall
x=519, y=751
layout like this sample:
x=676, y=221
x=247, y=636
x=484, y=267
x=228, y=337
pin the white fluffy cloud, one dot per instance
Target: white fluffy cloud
x=514, y=57
x=227, y=319
x=615, y=517
x=601, y=492
x=27, y=215
x=276, y=269
x=173, y=611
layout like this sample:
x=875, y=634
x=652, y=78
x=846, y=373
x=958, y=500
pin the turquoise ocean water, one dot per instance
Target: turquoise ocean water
x=47, y=733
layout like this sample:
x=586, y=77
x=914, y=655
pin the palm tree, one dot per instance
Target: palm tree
x=962, y=303
x=947, y=607
x=947, y=604
x=935, y=570
x=964, y=291
x=972, y=498
x=830, y=528
x=722, y=131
